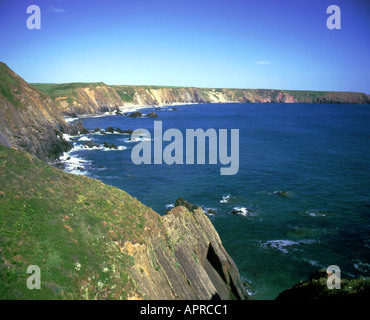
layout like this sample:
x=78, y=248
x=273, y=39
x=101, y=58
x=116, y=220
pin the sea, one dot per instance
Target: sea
x=299, y=202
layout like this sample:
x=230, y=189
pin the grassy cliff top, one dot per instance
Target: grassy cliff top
x=56, y=90
x=70, y=226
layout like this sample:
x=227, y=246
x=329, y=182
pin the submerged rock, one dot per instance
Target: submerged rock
x=281, y=193
x=237, y=211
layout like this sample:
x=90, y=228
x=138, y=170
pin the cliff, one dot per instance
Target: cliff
x=94, y=241
x=29, y=119
x=94, y=98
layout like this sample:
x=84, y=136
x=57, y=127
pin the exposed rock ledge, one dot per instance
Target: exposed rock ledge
x=194, y=266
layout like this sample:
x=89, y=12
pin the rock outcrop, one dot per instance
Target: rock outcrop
x=315, y=288
x=193, y=264
x=29, y=119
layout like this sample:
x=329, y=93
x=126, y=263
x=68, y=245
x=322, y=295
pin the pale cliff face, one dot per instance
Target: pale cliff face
x=97, y=99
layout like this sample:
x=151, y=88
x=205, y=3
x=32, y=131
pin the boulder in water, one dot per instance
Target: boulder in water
x=110, y=130
x=135, y=114
x=91, y=144
x=281, y=193
x=152, y=115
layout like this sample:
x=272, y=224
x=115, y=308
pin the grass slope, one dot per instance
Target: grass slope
x=72, y=227
x=9, y=87
x=56, y=90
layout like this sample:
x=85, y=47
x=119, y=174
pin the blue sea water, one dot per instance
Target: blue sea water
x=318, y=154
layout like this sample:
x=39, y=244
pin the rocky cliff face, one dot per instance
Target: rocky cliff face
x=192, y=264
x=29, y=119
x=94, y=241
x=82, y=98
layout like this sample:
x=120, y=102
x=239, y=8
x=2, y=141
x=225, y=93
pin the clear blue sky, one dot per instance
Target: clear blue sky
x=277, y=44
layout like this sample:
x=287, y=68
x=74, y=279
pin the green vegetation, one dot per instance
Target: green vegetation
x=162, y=87
x=125, y=93
x=72, y=227
x=308, y=96
x=239, y=93
x=70, y=100
x=9, y=87
x=55, y=90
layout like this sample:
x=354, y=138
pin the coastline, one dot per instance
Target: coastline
x=129, y=108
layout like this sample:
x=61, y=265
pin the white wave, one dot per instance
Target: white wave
x=282, y=245
x=248, y=286
x=120, y=148
x=315, y=213
x=361, y=266
x=128, y=140
x=111, y=149
x=244, y=211
x=132, y=108
x=91, y=115
x=313, y=263
x=110, y=113
x=81, y=147
x=67, y=137
x=170, y=206
x=210, y=211
x=84, y=138
x=225, y=199
x=74, y=164
x=69, y=120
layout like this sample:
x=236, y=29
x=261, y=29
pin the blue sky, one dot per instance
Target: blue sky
x=277, y=44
